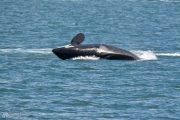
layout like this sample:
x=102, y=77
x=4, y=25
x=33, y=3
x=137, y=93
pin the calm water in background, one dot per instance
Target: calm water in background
x=35, y=84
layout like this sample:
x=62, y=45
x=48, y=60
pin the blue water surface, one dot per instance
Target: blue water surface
x=36, y=84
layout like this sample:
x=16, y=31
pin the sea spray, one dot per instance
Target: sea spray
x=145, y=55
x=86, y=58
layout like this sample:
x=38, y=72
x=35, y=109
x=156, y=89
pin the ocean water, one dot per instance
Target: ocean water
x=35, y=84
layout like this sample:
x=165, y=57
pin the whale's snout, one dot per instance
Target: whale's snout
x=54, y=51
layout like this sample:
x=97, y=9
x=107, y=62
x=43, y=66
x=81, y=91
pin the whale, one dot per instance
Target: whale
x=103, y=51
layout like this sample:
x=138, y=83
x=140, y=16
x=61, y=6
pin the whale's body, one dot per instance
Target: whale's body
x=75, y=49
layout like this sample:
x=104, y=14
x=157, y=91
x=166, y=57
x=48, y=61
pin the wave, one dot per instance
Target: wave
x=86, y=58
x=145, y=55
x=150, y=55
x=169, y=54
x=34, y=51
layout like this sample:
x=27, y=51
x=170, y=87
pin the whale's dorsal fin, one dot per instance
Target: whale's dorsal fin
x=78, y=39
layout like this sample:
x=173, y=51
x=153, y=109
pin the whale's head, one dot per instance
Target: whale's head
x=57, y=50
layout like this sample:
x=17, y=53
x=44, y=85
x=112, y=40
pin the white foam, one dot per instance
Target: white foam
x=145, y=55
x=86, y=58
x=169, y=54
x=34, y=51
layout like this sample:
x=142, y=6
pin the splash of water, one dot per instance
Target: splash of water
x=145, y=55
x=86, y=58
